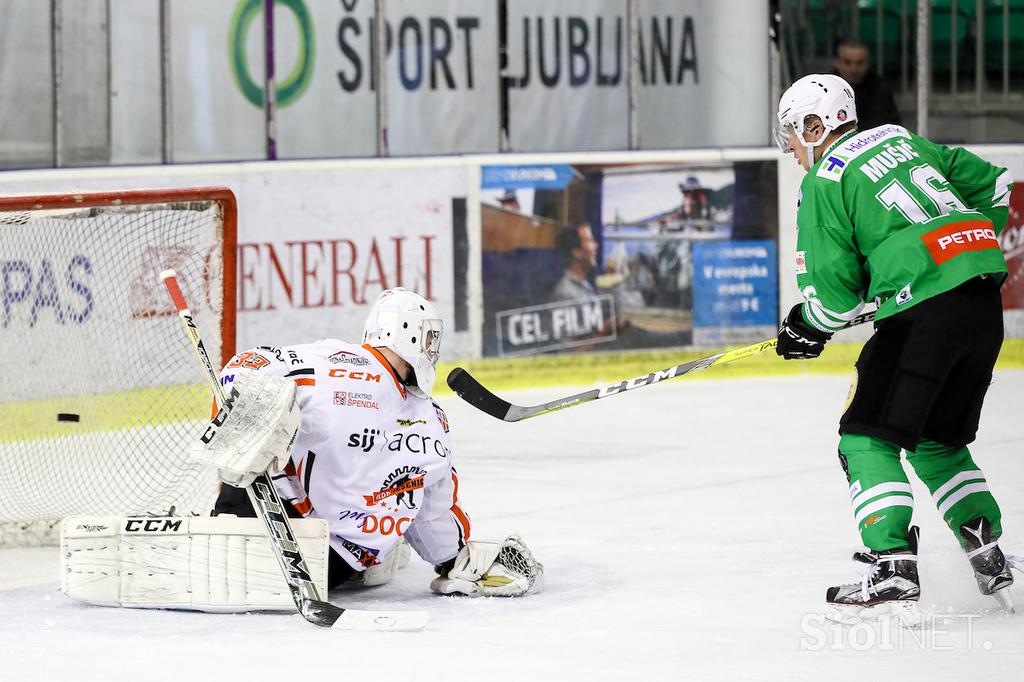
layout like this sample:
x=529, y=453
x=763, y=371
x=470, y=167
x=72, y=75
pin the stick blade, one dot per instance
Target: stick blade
x=327, y=615
x=474, y=393
x=382, y=621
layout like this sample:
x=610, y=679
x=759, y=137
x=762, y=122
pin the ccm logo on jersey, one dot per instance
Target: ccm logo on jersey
x=341, y=373
x=951, y=240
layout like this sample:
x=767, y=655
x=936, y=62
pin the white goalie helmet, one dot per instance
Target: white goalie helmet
x=408, y=324
x=824, y=95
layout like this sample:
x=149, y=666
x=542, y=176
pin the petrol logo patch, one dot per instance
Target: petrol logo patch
x=954, y=239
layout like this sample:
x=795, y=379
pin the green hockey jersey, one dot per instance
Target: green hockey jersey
x=888, y=216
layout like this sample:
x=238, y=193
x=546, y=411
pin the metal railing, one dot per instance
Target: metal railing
x=909, y=47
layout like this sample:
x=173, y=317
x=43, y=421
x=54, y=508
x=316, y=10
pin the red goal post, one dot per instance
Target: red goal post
x=101, y=396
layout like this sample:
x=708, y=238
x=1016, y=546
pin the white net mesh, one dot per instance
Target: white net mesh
x=101, y=392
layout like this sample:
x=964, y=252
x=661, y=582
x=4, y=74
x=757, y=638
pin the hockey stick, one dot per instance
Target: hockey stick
x=269, y=508
x=474, y=393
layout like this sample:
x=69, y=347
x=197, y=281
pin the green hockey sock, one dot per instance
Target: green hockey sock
x=879, y=491
x=957, y=485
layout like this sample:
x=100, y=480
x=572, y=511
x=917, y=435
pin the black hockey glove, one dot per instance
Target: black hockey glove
x=798, y=340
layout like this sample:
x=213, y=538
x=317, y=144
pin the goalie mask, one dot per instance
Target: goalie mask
x=407, y=324
x=828, y=97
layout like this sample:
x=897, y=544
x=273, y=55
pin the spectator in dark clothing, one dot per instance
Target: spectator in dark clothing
x=875, y=103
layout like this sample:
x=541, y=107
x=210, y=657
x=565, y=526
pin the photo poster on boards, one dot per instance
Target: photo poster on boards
x=1011, y=239
x=592, y=256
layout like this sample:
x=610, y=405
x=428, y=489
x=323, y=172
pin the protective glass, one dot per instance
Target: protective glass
x=781, y=133
x=430, y=342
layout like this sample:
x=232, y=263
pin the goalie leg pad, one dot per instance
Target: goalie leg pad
x=217, y=564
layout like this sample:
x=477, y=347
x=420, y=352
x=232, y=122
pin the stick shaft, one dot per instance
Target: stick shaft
x=262, y=493
x=477, y=395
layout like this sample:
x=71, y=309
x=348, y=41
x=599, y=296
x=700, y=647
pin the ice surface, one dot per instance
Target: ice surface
x=688, y=531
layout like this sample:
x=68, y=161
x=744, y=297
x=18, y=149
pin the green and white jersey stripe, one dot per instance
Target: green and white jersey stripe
x=865, y=503
x=957, y=488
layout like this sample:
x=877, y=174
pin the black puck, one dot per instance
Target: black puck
x=67, y=417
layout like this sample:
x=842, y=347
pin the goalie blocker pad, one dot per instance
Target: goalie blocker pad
x=217, y=564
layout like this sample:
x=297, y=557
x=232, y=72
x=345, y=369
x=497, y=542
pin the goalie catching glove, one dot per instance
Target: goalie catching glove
x=491, y=569
x=253, y=430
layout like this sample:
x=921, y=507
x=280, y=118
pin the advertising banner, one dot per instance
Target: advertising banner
x=703, y=75
x=602, y=256
x=441, y=70
x=735, y=291
x=1012, y=241
x=317, y=241
x=310, y=269
x=568, y=72
x=567, y=75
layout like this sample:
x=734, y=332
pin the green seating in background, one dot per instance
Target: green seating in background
x=943, y=37
x=829, y=18
x=868, y=17
x=994, y=37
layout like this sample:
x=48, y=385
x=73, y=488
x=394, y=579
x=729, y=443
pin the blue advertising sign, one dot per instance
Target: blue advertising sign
x=735, y=290
x=546, y=176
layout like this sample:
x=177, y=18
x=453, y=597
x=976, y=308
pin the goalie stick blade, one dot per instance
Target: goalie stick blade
x=474, y=393
x=387, y=621
x=327, y=615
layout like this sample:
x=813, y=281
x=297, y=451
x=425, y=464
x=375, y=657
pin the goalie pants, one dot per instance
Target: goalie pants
x=235, y=501
x=919, y=386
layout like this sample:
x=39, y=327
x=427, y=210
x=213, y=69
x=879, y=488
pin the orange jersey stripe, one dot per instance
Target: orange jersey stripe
x=460, y=516
x=463, y=520
x=303, y=506
x=387, y=365
x=305, y=382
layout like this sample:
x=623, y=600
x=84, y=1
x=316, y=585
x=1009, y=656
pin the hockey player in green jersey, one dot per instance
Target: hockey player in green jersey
x=890, y=217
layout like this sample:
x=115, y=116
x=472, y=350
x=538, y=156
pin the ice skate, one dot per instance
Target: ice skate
x=889, y=588
x=991, y=567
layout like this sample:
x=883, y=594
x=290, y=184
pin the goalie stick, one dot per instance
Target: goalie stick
x=269, y=508
x=477, y=395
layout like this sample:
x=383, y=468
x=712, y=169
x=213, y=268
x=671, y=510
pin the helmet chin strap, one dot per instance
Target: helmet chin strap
x=811, y=146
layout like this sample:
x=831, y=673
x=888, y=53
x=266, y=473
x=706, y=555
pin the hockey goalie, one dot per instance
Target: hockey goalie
x=359, y=452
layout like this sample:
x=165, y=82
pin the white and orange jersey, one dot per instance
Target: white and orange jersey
x=372, y=459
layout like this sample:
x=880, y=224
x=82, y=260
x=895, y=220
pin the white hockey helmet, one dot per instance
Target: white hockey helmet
x=824, y=95
x=408, y=324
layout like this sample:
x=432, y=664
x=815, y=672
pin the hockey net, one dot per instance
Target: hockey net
x=101, y=394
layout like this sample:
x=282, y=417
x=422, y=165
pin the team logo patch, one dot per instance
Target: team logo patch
x=343, y=357
x=855, y=489
x=364, y=556
x=949, y=241
x=835, y=163
x=801, y=262
x=410, y=422
x=832, y=167
x=354, y=399
x=849, y=401
x=401, y=484
x=904, y=296
x=841, y=115
x=441, y=417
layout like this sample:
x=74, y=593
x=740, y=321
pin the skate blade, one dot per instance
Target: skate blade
x=905, y=613
x=1003, y=597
